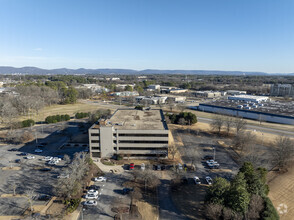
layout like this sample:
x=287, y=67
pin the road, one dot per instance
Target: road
x=256, y=128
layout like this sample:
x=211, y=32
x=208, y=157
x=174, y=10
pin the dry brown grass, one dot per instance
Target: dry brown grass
x=282, y=191
x=147, y=211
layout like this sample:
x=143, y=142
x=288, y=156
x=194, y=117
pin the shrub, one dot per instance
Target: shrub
x=184, y=118
x=57, y=118
x=139, y=107
x=27, y=123
x=119, y=157
x=72, y=204
x=269, y=212
x=81, y=115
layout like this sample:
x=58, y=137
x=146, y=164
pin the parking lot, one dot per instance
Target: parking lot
x=110, y=192
x=34, y=174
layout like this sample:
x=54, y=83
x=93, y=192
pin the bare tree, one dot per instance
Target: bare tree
x=182, y=121
x=217, y=124
x=30, y=194
x=282, y=152
x=172, y=150
x=66, y=159
x=14, y=186
x=228, y=123
x=239, y=124
x=243, y=140
x=213, y=211
x=135, y=195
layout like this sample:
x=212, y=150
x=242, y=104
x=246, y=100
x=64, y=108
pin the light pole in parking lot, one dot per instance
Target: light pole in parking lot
x=213, y=153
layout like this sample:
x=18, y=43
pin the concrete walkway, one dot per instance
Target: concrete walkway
x=107, y=168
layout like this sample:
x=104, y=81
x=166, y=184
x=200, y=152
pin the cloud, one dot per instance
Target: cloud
x=38, y=49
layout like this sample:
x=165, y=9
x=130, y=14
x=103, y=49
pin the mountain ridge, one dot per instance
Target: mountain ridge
x=30, y=70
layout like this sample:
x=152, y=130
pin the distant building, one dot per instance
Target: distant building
x=123, y=86
x=207, y=94
x=94, y=87
x=282, y=90
x=153, y=87
x=151, y=100
x=236, y=92
x=177, y=91
x=113, y=79
x=1, y=84
x=130, y=133
x=248, y=98
x=126, y=93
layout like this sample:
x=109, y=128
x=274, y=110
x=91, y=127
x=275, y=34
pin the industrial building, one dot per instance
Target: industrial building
x=236, y=92
x=207, y=94
x=131, y=133
x=282, y=90
x=269, y=111
x=248, y=98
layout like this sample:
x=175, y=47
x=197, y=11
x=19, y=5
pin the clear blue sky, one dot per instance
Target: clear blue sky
x=246, y=35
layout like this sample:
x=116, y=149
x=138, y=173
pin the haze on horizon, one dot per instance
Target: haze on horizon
x=156, y=34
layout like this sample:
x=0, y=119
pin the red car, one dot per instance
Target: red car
x=132, y=165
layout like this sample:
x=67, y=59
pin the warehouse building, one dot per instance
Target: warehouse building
x=131, y=133
x=248, y=98
x=208, y=94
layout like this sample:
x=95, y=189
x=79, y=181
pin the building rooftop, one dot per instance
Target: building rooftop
x=131, y=119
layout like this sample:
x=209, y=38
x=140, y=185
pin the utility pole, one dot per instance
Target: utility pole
x=36, y=136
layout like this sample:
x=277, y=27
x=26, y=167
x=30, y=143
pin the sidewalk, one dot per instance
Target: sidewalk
x=107, y=168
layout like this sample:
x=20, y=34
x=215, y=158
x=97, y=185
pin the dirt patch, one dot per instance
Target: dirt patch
x=11, y=168
x=189, y=199
x=147, y=211
x=11, y=195
x=282, y=192
x=56, y=209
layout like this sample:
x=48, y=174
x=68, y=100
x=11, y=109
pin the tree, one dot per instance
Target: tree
x=228, y=124
x=217, y=124
x=239, y=124
x=217, y=193
x=244, y=139
x=129, y=88
x=30, y=194
x=238, y=198
x=172, y=150
x=282, y=151
x=213, y=211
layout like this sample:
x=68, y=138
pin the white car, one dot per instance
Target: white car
x=197, y=180
x=48, y=158
x=210, y=161
x=56, y=159
x=30, y=157
x=142, y=166
x=100, y=179
x=63, y=176
x=38, y=151
x=90, y=203
x=180, y=166
x=208, y=180
x=92, y=191
x=52, y=162
x=91, y=196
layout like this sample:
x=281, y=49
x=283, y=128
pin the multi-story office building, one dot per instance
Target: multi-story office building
x=282, y=90
x=131, y=133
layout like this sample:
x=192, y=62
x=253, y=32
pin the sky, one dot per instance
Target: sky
x=244, y=35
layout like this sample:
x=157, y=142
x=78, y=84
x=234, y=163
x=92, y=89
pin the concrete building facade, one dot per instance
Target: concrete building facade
x=131, y=133
x=282, y=90
x=208, y=94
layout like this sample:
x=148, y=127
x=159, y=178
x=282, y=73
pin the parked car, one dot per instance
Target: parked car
x=23, y=154
x=91, y=196
x=90, y=203
x=17, y=161
x=52, y=162
x=45, y=169
x=132, y=166
x=127, y=190
x=100, y=179
x=44, y=197
x=94, y=187
x=210, y=161
x=63, y=176
x=142, y=166
x=163, y=167
x=180, y=167
x=13, y=149
x=30, y=157
x=158, y=167
x=38, y=151
x=92, y=191
x=208, y=180
x=207, y=157
x=47, y=158
x=196, y=180
x=214, y=165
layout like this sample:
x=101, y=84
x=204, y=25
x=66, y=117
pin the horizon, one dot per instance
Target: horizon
x=213, y=35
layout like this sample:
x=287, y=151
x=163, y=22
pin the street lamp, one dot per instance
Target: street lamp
x=213, y=153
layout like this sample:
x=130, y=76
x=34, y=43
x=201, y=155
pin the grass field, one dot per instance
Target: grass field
x=70, y=109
